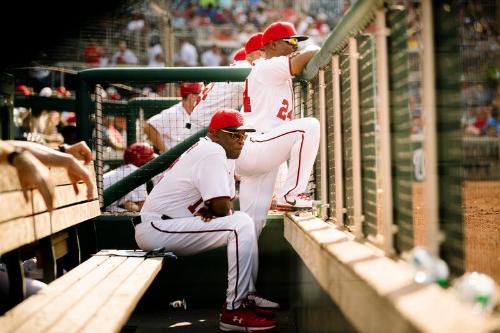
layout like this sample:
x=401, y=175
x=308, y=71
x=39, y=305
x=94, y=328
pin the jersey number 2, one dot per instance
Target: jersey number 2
x=283, y=112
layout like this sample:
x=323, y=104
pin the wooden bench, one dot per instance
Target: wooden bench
x=97, y=295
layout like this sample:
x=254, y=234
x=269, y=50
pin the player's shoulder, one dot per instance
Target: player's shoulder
x=208, y=147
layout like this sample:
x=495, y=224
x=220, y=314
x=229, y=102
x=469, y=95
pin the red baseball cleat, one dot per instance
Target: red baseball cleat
x=244, y=319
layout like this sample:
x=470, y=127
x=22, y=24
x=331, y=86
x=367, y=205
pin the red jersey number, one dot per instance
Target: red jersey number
x=283, y=112
x=203, y=95
x=246, y=99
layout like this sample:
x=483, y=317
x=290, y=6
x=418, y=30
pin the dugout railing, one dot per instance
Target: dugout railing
x=386, y=87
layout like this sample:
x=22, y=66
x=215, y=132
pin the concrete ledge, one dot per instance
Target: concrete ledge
x=377, y=293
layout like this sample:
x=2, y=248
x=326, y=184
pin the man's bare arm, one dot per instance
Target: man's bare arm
x=300, y=59
x=154, y=137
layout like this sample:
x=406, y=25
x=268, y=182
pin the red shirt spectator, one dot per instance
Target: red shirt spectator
x=93, y=54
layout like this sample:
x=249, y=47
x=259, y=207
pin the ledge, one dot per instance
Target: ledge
x=377, y=293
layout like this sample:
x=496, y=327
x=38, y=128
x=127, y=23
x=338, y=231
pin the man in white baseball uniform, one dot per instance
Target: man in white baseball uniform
x=268, y=108
x=189, y=212
x=225, y=94
x=173, y=125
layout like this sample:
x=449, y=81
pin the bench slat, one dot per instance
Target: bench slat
x=66, y=217
x=16, y=233
x=59, y=176
x=79, y=314
x=50, y=313
x=13, y=205
x=115, y=313
x=64, y=196
x=19, y=314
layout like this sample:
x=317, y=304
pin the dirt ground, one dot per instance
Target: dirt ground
x=481, y=206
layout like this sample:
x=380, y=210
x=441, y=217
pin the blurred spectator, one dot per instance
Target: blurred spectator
x=173, y=125
x=51, y=121
x=124, y=56
x=112, y=94
x=188, y=55
x=492, y=126
x=225, y=60
x=137, y=22
x=155, y=52
x=211, y=57
x=94, y=54
x=135, y=156
x=113, y=137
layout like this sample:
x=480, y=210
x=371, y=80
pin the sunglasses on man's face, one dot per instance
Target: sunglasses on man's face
x=236, y=136
x=292, y=41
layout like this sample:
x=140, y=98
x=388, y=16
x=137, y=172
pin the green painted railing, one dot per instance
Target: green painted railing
x=149, y=170
x=87, y=79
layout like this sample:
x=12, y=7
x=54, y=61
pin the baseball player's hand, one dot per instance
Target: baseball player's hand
x=80, y=151
x=33, y=174
x=77, y=172
x=205, y=213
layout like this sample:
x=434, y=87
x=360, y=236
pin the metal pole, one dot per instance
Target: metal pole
x=356, y=142
x=337, y=140
x=385, y=235
x=431, y=198
x=322, y=142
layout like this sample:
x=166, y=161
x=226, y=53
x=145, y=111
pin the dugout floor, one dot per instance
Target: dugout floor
x=202, y=281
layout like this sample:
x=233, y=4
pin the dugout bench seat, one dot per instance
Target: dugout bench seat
x=97, y=295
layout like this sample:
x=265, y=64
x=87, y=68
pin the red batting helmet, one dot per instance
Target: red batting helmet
x=190, y=88
x=138, y=154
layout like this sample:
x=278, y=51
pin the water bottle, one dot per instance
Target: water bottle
x=429, y=268
x=478, y=289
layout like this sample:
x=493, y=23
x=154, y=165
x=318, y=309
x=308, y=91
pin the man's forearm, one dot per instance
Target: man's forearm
x=46, y=155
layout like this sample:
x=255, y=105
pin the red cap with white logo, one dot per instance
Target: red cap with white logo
x=228, y=119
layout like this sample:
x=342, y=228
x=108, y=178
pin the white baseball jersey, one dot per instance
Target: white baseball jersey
x=200, y=174
x=217, y=95
x=268, y=108
x=268, y=95
x=109, y=178
x=171, y=125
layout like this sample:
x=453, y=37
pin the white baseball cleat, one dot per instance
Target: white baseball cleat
x=301, y=201
x=261, y=302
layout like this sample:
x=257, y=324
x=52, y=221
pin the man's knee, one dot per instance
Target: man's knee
x=309, y=124
x=244, y=222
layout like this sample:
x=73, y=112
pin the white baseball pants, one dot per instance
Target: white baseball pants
x=262, y=155
x=190, y=235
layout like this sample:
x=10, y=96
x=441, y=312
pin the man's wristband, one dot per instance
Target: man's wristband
x=12, y=155
x=62, y=148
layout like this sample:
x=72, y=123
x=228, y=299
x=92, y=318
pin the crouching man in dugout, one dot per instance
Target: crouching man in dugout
x=189, y=212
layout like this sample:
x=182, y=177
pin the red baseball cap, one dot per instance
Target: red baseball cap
x=254, y=43
x=240, y=55
x=280, y=30
x=228, y=119
x=190, y=88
